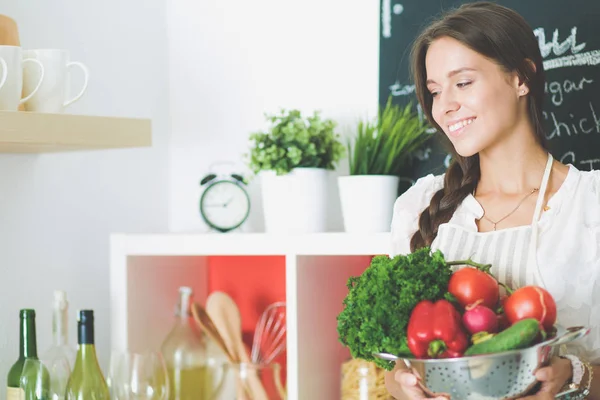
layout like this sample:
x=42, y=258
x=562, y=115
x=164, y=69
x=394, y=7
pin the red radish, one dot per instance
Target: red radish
x=479, y=318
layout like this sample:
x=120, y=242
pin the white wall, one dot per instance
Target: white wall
x=57, y=211
x=230, y=61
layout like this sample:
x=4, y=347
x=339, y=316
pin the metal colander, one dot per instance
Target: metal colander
x=499, y=376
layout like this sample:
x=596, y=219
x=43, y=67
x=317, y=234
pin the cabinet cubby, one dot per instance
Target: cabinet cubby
x=309, y=272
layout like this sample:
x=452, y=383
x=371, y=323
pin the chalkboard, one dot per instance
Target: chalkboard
x=568, y=32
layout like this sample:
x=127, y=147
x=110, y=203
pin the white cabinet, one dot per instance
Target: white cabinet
x=146, y=271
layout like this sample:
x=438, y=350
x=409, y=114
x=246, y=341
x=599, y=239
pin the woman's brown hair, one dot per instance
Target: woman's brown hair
x=503, y=36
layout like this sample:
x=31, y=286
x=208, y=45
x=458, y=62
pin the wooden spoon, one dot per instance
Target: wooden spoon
x=206, y=323
x=9, y=33
x=203, y=319
x=226, y=316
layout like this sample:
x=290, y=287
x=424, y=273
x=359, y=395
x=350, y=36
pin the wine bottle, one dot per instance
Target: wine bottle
x=185, y=353
x=60, y=349
x=27, y=350
x=86, y=381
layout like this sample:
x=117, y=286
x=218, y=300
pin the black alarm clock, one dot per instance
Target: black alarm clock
x=224, y=204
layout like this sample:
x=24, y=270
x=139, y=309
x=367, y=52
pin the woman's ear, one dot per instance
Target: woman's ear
x=529, y=71
x=523, y=90
x=520, y=85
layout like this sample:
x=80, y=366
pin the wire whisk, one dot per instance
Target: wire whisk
x=270, y=334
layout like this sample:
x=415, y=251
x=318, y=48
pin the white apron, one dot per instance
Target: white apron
x=511, y=251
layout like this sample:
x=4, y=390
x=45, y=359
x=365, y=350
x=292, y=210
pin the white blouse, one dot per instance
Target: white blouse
x=568, y=246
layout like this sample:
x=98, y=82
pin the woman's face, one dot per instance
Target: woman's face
x=475, y=102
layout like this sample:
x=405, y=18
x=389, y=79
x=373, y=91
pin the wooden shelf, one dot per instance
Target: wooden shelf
x=29, y=132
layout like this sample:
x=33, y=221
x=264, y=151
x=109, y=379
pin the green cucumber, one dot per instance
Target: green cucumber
x=517, y=336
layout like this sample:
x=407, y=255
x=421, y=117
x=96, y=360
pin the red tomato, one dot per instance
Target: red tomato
x=470, y=284
x=531, y=302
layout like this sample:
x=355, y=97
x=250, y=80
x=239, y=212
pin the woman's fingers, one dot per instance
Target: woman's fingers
x=553, y=378
x=392, y=385
x=408, y=382
x=404, y=384
x=410, y=386
x=406, y=379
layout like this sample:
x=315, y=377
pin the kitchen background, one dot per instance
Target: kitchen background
x=204, y=73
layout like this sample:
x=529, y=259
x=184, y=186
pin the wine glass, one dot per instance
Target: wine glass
x=34, y=381
x=114, y=378
x=140, y=376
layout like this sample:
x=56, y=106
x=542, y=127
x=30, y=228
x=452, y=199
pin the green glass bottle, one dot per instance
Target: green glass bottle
x=27, y=350
x=86, y=381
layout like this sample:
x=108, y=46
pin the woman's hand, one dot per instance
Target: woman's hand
x=403, y=385
x=553, y=378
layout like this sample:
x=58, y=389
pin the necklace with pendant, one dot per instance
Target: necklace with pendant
x=510, y=213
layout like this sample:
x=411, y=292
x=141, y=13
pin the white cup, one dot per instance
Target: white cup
x=11, y=83
x=52, y=95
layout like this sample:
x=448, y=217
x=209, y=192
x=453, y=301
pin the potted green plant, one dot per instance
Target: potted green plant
x=381, y=150
x=292, y=158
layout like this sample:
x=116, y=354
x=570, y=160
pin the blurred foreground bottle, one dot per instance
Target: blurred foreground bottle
x=185, y=354
x=27, y=350
x=86, y=381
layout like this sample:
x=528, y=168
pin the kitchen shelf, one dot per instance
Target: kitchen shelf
x=252, y=244
x=147, y=269
x=30, y=132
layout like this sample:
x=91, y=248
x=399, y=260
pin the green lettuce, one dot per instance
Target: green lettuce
x=379, y=302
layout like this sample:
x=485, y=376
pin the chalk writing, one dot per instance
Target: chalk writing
x=398, y=8
x=447, y=160
x=397, y=89
x=558, y=48
x=570, y=158
x=577, y=60
x=554, y=46
x=590, y=163
x=570, y=127
x=567, y=86
x=423, y=154
x=386, y=18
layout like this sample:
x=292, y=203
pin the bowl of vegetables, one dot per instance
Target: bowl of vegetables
x=491, y=374
x=465, y=334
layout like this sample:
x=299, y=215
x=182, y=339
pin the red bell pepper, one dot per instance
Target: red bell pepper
x=435, y=331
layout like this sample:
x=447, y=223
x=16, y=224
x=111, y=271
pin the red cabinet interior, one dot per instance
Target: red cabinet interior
x=253, y=282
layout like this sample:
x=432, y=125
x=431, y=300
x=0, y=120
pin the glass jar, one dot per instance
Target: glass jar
x=222, y=382
x=362, y=380
x=255, y=381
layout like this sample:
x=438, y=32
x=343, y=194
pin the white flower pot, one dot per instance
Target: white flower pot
x=367, y=202
x=295, y=202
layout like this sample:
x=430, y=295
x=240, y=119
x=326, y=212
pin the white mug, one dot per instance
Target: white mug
x=52, y=96
x=11, y=88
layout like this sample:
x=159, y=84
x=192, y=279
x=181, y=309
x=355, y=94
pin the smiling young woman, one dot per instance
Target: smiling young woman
x=503, y=200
